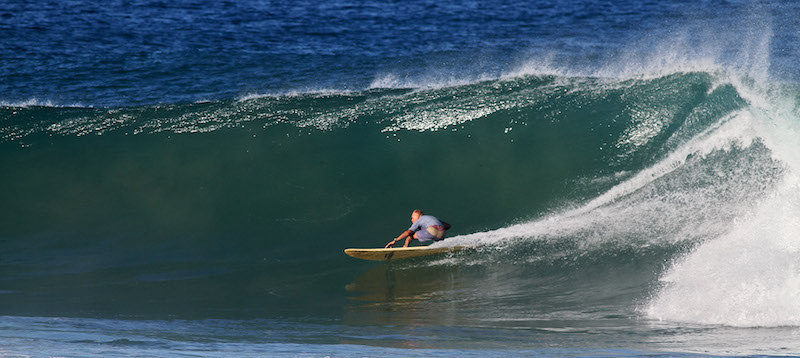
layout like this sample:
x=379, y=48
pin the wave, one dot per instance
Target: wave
x=730, y=193
x=546, y=170
x=37, y=102
x=400, y=109
x=747, y=277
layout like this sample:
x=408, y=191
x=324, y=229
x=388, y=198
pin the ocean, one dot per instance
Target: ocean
x=180, y=178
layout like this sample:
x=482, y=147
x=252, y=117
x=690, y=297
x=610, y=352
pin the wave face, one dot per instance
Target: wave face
x=176, y=176
x=671, y=197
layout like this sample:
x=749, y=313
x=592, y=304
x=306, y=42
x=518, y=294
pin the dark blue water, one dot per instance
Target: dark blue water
x=148, y=52
x=180, y=178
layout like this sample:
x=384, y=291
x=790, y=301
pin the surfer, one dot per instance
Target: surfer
x=424, y=228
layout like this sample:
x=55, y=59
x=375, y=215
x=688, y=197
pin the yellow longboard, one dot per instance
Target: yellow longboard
x=397, y=253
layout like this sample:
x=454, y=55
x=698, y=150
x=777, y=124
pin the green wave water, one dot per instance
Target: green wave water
x=582, y=192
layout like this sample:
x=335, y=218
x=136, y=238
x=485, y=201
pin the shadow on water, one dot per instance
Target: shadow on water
x=415, y=293
x=399, y=284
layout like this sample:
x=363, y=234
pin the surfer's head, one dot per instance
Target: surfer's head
x=415, y=215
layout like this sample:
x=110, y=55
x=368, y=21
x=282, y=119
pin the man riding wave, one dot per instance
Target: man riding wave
x=424, y=228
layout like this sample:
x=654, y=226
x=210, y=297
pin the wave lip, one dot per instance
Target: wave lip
x=38, y=102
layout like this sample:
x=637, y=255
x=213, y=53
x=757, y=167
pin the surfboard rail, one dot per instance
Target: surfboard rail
x=397, y=253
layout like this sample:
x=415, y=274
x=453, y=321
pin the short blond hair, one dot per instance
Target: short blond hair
x=418, y=212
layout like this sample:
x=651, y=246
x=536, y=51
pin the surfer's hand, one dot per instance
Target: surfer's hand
x=390, y=244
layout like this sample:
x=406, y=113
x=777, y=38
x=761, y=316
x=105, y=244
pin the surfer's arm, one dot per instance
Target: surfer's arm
x=405, y=234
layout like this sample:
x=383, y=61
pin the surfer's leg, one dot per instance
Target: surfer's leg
x=409, y=238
